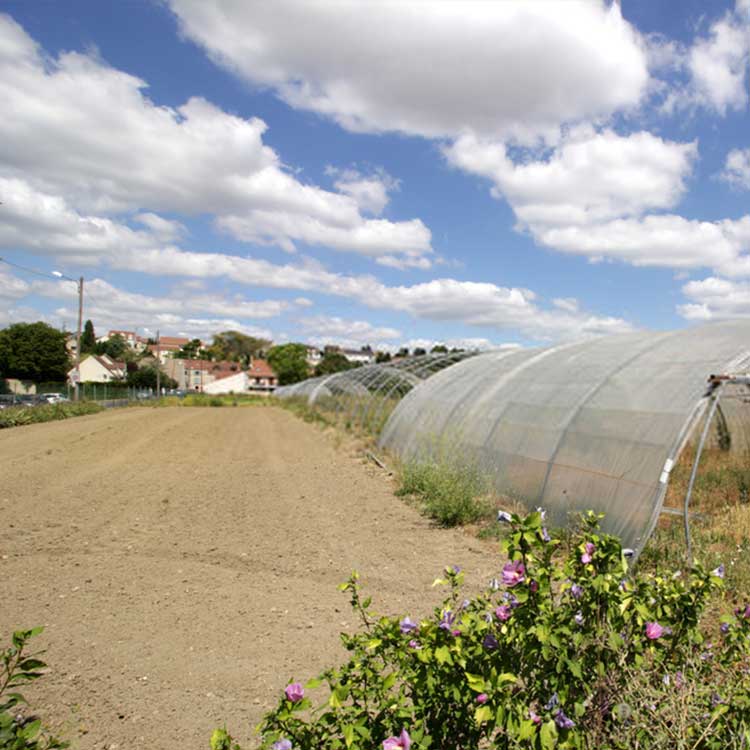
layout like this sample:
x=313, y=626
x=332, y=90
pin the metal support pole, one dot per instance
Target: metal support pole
x=158, y=365
x=709, y=417
x=76, y=395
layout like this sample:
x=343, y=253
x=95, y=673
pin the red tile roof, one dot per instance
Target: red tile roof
x=259, y=368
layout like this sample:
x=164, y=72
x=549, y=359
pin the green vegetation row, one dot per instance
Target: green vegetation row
x=18, y=416
x=204, y=399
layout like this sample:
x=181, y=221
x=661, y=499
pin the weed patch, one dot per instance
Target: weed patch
x=17, y=417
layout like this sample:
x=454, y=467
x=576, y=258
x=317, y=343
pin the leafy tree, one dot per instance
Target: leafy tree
x=237, y=347
x=191, y=350
x=33, y=351
x=402, y=352
x=419, y=351
x=439, y=349
x=333, y=362
x=115, y=347
x=382, y=357
x=289, y=361
x=145, y=377
x=88, y=338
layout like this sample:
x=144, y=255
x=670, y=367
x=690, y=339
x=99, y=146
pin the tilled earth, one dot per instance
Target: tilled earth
x=184, y=563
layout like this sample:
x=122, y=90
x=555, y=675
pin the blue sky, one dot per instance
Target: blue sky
x=477, y=173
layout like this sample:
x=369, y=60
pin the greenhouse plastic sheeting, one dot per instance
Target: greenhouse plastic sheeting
x=590, y=425
x=367, y=395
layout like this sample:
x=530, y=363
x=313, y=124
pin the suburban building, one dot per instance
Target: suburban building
x=99, y=368
x=313, y=356
x=196, y=374
x=261, y=376
x=132, y=339
x=226, y=377
x=167, y=346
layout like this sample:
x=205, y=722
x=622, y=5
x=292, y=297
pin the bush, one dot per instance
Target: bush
x=18, y=416
x=564, y=650
x=19, y=731
x=450, y=493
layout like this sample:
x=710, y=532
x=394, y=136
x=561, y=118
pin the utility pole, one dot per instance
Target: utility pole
x=158, y=365
x=77, y=394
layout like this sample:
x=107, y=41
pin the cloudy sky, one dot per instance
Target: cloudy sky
x=389, y=172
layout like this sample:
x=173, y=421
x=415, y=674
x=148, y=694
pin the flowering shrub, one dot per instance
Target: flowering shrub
x=563, y=650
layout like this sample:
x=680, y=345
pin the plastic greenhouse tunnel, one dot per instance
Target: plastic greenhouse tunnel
x=595, y=424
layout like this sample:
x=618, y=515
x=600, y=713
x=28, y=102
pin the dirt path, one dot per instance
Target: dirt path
x=185, y=564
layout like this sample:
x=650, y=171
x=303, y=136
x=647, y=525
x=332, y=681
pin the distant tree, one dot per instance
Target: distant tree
x=419, y=351
x=238, y=347
x=333, y=362
x=33, y=351
x=289, y=362
x=88, y=338
x=402, y=352
x=115, y=347
x=439, y=349
x=383, y=357
x=145, y=377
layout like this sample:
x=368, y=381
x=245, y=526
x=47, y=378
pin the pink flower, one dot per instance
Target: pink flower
x=513, y=573
x=588, y=554
x=294, y=692
x=402, y=742
x=503, y=612
x=482, y=698
x=654, y=630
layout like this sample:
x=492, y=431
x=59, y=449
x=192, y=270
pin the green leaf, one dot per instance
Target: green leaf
x=476, y=682
x=312, y=684
x=31, y=729
x=443, y=655
x=526, y=730
x=482, y=714
x=348, y=735
x=548, y=735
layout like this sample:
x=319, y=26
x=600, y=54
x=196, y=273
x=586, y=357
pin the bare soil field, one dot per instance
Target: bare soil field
x=184, y=562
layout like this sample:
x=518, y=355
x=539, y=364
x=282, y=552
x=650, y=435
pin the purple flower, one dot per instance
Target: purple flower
x=294, y=692
x=415, y=645
x=407, y=626
x=283, y=744
x=579, y=618
x=482, y=698
x=535, y=717
x=545, y=535
x=455, y=569
x=563, y=721
x=503, y=612
x=724, y=628
x=455, y=632
x=533, y=586
x=588, y=554
x=504, y=517
x=746, y=613
x=718, y=572
x=552, y=702
x=513, y=573
x=576, y=591
x=490, y=642
x=402, y=742
x=716, y=700
x=654, y=630
x=446, y=620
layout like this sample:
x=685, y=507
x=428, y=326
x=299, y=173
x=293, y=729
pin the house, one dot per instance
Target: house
x=364, y=356
x=259, y=379
x=196, y=374
x=99, y=368
x=261, y=376
x=313, y=357
x=132, y=339
x=167, y=346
